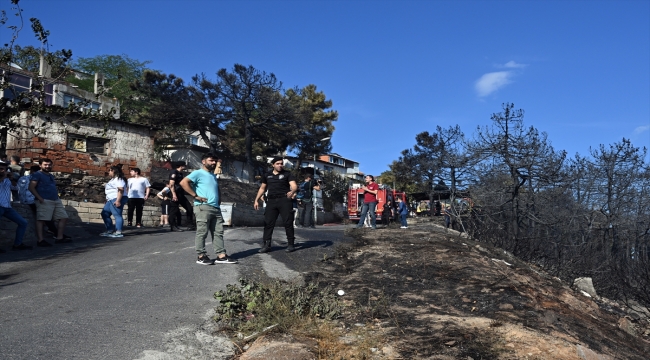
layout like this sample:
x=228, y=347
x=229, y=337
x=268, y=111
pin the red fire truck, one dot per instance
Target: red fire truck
x=355, y=200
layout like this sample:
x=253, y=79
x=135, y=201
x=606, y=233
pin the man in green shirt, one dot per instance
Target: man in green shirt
x=203, y=186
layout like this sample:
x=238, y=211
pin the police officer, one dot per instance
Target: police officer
x=178, y=198
x=282, y=187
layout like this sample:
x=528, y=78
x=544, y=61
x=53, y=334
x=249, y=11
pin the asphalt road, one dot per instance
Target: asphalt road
x=138, y=297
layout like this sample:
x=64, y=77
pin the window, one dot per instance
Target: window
x=17, y=84
x=81, y=103
x=20, y=83
x=337, y=161
x=328, y=168
x=87, y=144
x=193, y=140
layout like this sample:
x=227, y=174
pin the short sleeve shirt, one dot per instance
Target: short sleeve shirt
x=206, y=185
x=138, y=187
x=177, y=176
x=46, y=186
x=111, y=188
x=278, y=185
x=368, y=197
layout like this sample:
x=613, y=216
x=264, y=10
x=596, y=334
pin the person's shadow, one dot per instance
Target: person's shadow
x=299, y=246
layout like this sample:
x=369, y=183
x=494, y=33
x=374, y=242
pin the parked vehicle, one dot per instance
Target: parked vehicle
x=356, y=195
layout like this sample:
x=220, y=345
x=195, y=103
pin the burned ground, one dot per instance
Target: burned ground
x=437, y=295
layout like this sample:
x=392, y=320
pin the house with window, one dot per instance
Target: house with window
x=76, y=145
x=192, y=149
x=333, y=162
x=189, y=151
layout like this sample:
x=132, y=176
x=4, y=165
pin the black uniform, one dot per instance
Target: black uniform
x=278, y=203
x=174, y=213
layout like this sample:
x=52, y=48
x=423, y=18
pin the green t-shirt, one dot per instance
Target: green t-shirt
x=206, y=185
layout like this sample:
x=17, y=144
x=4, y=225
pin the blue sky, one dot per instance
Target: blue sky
x=579, y=69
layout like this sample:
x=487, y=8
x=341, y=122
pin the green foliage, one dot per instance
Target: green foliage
x=313, y=122
x=256, y=110
x=400, y=183
x=252, y=306
x=119, y=72
x=334, y=187
x=242, y=114
x=28, y=58
x=20, y=101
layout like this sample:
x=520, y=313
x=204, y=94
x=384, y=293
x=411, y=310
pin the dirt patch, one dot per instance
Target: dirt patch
x=437, y=295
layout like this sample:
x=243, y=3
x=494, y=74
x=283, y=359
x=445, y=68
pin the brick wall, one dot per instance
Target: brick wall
x=128, y=144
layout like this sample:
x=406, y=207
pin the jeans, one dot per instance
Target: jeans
x=402, y=219
x=307, y=214
x=14, y=216
x=209, y=218
x=110, y=209
x=365, y=209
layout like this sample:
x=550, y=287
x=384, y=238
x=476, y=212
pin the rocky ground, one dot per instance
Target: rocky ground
x=428, y=293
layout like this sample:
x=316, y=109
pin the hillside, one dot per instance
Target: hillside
x=428, y=293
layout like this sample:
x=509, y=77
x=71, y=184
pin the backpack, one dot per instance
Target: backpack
x=303, y=192
x=24, y=195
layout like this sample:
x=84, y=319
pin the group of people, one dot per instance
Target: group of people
x=38, y=190
x=370, y=190
x=204, y=215
x=278, y=187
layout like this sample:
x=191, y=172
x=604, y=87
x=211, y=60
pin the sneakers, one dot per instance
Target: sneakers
x=225, y=260
x=175, y=229
x=63, y=241
x=403, y=227
x=129, y=224
x=290, y=248
x=204, y=260
x=21, y=247
x=116, y=235
x=43, y=244
x=106, y=233
x=64, y=236
x=138, y=225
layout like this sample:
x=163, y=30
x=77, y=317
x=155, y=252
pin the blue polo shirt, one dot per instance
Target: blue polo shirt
x=46, y=186
x=206, y=185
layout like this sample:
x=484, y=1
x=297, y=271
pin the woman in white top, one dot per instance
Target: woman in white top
x=115, y=200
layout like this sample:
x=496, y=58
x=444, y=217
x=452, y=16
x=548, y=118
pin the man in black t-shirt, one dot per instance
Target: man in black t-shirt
x=178, y=198
x=281, y=186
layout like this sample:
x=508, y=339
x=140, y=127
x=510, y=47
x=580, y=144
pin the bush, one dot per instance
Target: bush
x=253, y=306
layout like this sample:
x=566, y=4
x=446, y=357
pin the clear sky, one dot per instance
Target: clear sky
x=579, y=69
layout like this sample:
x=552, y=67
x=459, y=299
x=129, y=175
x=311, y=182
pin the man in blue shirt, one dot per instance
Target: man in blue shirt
x=203, y=186
x=6, y=185
x=48, y=204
